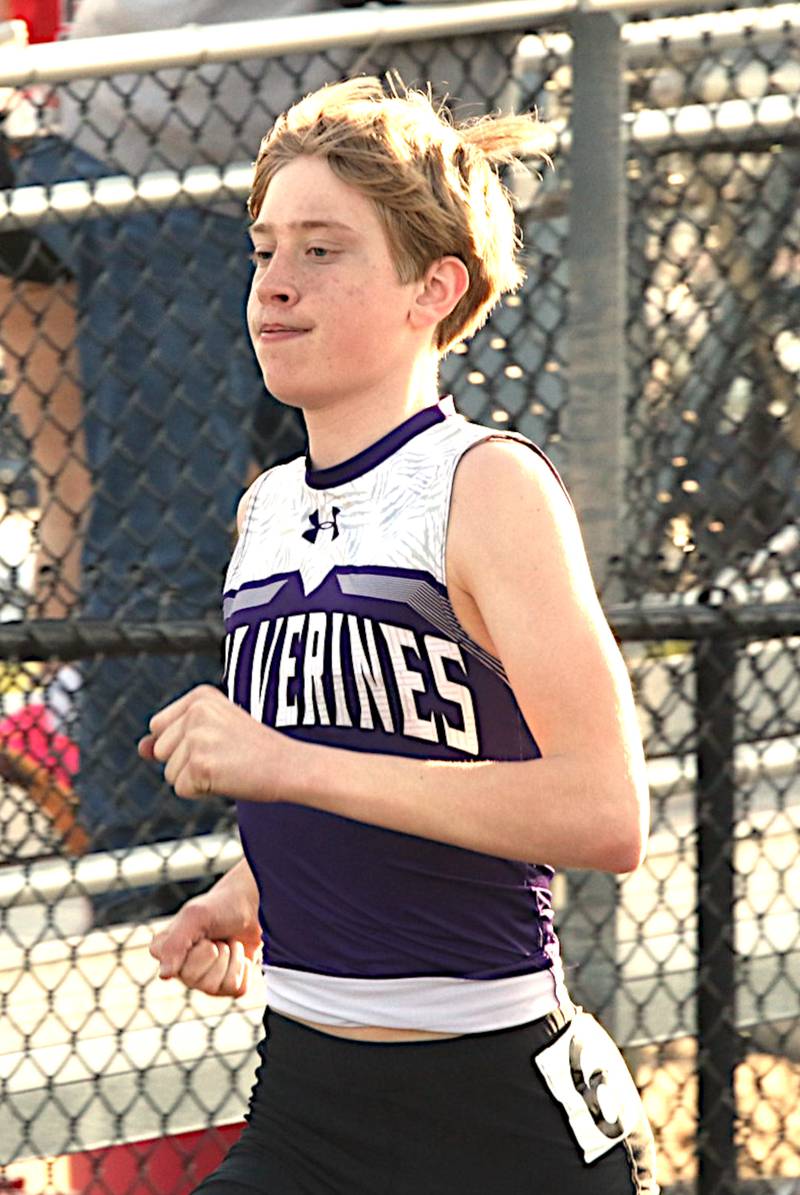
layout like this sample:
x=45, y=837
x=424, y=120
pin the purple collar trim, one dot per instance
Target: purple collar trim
x=362, y=462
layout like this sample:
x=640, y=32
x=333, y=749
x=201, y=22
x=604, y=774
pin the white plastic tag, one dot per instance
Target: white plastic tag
x=587, y=1075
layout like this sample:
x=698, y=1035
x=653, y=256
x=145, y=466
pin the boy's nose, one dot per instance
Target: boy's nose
x=277, y=290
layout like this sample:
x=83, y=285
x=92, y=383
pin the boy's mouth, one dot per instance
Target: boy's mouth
x=281, y=331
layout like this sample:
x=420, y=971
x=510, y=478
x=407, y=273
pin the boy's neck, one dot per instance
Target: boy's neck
x=342, y=429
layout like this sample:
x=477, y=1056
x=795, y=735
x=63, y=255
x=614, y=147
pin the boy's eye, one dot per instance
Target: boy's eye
x=318, y=251
x=260, y=256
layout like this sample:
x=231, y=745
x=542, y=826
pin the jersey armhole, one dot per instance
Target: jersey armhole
x=516, y=438
x=488, y=438
x=250, y=497
x=503, y=437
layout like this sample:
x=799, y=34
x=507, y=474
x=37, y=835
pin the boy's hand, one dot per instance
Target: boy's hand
x=208, y=951
x=211, y=746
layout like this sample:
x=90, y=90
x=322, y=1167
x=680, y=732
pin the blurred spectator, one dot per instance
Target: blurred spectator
x=37, y=338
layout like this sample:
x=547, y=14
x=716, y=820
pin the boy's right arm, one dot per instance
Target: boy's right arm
x=213, y=942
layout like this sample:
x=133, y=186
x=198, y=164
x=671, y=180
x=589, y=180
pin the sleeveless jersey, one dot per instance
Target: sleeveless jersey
x=339, y=631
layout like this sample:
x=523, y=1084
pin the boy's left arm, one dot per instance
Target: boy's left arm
x=516, y=561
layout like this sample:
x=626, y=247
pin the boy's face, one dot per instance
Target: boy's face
x=327, y=315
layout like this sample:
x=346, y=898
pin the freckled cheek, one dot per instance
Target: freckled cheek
x=363, y=321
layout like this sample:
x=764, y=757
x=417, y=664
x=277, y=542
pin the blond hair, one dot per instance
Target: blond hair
x=434, y=183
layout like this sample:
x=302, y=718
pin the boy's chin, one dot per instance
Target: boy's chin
x=285, y=390
x=288, y=397
x=292, y=395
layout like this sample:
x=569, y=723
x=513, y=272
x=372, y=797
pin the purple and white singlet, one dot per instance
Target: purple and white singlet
x=339, y=631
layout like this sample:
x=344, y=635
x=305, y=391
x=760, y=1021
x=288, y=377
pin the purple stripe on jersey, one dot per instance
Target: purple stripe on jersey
x=260, y=594
x=356, y=466
x=253, y=596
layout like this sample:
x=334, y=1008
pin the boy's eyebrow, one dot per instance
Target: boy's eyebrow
x=304, y=225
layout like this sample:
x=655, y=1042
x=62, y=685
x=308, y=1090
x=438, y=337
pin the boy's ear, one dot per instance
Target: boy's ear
x=444, y=283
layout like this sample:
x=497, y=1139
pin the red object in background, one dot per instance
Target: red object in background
x=34, y=754
x=173, y=1165
x=43, y=18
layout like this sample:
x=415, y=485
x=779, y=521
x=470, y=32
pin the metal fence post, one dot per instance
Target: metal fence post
x=594, y=419
x=717, y=1043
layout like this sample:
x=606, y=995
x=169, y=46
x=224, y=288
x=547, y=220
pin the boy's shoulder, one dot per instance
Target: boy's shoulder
x=502, y=458
x=488, y=449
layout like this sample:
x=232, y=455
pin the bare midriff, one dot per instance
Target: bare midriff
x=376, y=1033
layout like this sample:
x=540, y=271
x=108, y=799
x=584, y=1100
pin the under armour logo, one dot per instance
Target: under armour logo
x=318, y=525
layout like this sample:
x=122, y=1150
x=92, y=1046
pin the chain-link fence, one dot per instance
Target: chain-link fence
x=653, y=351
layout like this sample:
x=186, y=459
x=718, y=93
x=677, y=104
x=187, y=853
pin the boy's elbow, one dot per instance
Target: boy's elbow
x=626, y=846
x=627, y=855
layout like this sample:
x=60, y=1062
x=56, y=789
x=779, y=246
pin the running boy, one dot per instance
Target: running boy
x=422, y=697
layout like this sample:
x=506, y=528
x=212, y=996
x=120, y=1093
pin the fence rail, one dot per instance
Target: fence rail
x=46, y=639
x=274, y=38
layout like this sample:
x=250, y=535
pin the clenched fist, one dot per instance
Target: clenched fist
x=209, y=746
x=214, y=942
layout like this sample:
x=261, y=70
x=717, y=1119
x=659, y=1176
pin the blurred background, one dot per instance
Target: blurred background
x=654, y=352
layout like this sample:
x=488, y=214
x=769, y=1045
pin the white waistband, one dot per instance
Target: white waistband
x=435, y=1004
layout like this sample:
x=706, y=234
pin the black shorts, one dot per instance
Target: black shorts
x=468, y=1115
